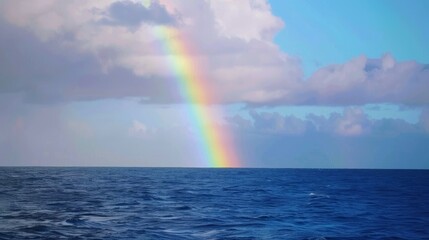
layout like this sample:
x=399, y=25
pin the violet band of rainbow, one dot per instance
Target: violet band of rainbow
x=217, y=147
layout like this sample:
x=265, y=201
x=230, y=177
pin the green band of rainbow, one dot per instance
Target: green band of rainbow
x=215, y=140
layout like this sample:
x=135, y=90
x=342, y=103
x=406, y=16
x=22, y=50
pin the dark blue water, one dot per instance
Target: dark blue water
x=148, y=203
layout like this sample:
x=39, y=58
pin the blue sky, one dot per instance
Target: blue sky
x=327, y=32
x=337, y=84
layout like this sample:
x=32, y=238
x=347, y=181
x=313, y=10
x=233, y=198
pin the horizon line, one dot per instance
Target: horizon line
x=187, y=167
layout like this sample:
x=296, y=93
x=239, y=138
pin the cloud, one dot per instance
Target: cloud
x=353, y=122
x=89, y=50
x=363, y=80
x=132, y=14
x=358, y=82
x=276, y=123
x=48, y=73
x=83, y=50
x=245, y=19
x=138, y=129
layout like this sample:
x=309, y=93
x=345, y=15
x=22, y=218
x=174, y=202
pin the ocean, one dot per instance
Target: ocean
x=204, y=203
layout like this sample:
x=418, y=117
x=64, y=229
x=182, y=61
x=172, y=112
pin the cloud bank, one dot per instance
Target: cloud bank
x=79, y=50
x=350, y=139
x=353, y=122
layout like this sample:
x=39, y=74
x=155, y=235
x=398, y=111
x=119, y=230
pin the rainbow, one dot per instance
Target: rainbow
x=215, y=140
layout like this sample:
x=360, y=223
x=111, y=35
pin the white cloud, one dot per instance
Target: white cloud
x=241, y=63
x=354, y=122
x=97, y=51
x=363, y=80
x=247, y=20
x=138, y=129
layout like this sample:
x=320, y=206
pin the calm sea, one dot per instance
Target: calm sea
x=178, y=203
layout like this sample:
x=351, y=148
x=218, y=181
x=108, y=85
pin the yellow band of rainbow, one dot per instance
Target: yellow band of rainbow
x=215, y=139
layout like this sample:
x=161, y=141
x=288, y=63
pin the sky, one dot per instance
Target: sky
x=214, y=83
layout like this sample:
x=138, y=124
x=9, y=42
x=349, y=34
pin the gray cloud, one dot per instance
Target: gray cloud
x=47, y=73
x=78, y=50
x=353, y=122
x=51, y=53
x=276, y=123
x=229, y=59
x=346, y=140
x=132, y=14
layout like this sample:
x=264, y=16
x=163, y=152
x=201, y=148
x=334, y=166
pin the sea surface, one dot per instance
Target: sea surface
x=181, y=203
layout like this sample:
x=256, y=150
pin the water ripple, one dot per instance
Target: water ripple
x=151, y=203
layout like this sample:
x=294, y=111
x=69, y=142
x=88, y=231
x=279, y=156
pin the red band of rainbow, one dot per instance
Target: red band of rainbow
x=215, y=139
